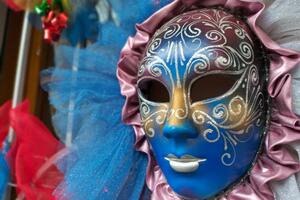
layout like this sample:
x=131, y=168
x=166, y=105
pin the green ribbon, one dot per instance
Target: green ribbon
x=43, y=8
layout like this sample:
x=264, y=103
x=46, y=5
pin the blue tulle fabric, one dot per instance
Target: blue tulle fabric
x=4, y=170
x=4, y=174
x=85, y=20
x=83, y=25
x=84, y=92
x=102, y=163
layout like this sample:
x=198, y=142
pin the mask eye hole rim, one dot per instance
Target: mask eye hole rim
x=148, y=79
x=240, y=75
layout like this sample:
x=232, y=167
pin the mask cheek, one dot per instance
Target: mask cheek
x=158, y=143
x=153, y=118
x=210, y=133
x=207, y=130
x=215, y=142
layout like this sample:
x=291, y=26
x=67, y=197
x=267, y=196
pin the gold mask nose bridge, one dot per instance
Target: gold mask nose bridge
x=178, y=111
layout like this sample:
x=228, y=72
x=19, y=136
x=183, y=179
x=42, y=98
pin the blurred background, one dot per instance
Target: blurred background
x=40, y=55
x=90, y=46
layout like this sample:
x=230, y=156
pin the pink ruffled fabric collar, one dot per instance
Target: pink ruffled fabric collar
x=275, y=162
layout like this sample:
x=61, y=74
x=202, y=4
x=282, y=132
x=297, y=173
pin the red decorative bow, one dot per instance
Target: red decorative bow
x=53, y=24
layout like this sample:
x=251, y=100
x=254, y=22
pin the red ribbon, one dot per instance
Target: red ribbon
x=32, y=155
x=53, y=24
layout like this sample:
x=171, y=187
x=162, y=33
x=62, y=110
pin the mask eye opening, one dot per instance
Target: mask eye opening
x=154, y=91
x=212, y=86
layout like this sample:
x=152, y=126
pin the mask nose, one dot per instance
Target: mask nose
x=178, y=126
x=181, y=131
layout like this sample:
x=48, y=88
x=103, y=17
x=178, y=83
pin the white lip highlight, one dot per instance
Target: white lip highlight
x=185, y=164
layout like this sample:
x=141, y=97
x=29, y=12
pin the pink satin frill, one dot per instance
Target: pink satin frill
x=275, y=162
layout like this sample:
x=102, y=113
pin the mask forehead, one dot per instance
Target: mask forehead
x=199, y=42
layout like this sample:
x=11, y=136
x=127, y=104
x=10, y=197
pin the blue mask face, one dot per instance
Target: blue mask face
x=203, y=105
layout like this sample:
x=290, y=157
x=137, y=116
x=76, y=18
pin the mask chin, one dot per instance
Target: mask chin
x=203, y=101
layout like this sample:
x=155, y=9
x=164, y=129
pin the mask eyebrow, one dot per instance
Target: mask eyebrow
x=156, y=67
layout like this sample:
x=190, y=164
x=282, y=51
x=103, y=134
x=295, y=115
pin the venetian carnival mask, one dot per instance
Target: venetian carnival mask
x=203, y=101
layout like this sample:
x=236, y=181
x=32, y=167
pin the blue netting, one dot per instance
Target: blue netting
x=85, y=94
x=4, y=175
x=102, y=163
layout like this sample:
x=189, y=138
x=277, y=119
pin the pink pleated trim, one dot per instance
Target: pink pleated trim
x=275, y=162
